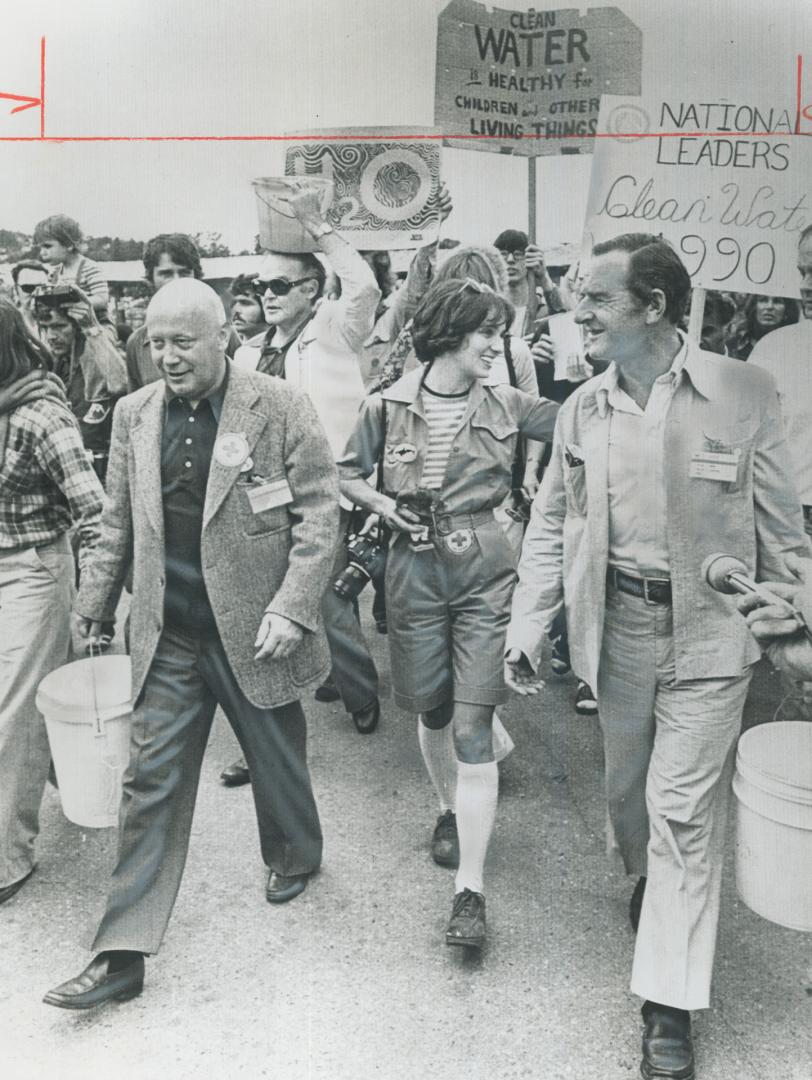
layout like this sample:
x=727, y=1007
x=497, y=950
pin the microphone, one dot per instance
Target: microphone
x=728, y=574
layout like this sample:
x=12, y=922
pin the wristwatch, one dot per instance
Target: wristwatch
x=323, y=230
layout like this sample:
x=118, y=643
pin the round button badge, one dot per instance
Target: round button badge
x=231, y=450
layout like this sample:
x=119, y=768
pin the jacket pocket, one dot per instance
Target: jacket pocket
x=575, y=486
x=265, y=522
x=736, y=440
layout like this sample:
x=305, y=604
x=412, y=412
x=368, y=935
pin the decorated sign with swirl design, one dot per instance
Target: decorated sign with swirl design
x=385, y=193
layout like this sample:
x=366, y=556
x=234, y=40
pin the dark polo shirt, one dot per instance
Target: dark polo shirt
x=187, y=445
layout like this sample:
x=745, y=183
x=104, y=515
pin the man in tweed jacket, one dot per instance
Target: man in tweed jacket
x=222, y=495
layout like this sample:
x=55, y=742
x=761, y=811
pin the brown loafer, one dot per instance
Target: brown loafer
x=236, y=774
x=97, y=985
x=281, y=887
x=668, y=1051
x=366, y=719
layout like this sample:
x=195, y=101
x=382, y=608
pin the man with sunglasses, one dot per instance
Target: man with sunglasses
x=26, y=276
x=316, y=343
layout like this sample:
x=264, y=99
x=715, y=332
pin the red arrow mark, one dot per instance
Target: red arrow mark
x=30, y=102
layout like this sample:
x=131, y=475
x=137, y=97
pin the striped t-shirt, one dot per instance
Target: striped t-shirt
x=444, y=413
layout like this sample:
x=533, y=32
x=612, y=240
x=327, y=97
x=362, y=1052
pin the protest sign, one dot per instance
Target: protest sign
x=385, y=193
x=725, y=180
x=530, y=82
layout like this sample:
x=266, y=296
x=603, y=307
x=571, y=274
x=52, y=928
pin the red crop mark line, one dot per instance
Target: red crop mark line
x=422, y=137
x=42, y=88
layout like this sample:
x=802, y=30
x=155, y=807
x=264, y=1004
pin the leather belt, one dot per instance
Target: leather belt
x=444, y=524
x=652, y=590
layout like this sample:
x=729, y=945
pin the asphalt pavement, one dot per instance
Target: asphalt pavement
x=352, y=980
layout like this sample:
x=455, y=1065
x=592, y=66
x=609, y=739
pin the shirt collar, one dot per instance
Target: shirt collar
x=215, y=398
x=608, y=388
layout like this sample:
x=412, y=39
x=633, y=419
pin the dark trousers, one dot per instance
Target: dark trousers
x=353, y=668
x=171, y=723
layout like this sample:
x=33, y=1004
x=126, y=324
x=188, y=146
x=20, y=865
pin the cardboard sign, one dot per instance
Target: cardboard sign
x=725, y=180
x=385, y=193
x=530, y=82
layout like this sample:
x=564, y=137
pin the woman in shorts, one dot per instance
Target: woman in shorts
x=446, y=440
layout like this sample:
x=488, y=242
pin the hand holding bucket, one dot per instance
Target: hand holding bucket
x=287, y=207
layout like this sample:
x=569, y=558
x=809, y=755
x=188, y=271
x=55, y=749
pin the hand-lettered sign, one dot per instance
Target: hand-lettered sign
x=385, y=192
x=725, y=180
x=530, y=82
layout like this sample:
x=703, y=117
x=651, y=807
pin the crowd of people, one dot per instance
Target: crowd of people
x=244, y=469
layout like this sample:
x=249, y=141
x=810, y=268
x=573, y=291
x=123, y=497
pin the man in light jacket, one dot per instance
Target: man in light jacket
x=670, y=455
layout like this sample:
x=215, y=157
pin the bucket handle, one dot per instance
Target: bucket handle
x=95, y=652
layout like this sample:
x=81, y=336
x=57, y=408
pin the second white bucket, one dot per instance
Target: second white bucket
x=773, y=788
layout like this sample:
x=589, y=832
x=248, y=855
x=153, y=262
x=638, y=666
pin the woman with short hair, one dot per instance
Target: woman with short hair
x=445, y=440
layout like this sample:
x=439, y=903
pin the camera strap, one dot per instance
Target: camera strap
x=517, y=468
x=357, y=514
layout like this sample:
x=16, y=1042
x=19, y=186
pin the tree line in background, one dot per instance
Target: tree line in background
x=16, y=245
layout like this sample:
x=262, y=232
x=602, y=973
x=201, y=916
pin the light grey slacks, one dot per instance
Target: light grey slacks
x=669, y=757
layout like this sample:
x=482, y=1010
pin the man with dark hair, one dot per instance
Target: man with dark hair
x=315, y=344
x=526, y=270
x=247, y=316
x=88, y=363
x=669, y=455
x=166, y=257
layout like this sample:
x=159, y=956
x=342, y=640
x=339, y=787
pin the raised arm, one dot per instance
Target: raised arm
x=350, y=318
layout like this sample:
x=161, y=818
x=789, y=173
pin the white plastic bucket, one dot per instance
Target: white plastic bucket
x=87, y=712
x=279, y=229
x=773, y=787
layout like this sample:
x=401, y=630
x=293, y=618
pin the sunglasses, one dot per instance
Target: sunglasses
x=279, y=286
x=28, y=287
x=477, y=286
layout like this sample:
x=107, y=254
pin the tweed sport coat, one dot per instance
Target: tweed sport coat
x=720, y=405
x=277, y=560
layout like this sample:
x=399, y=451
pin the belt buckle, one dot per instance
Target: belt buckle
x=646, y=594
x=443, y=524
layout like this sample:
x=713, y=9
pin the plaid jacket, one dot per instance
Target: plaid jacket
x=46, y=480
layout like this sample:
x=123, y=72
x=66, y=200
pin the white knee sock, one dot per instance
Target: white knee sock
x=440, y=757
x=477, y=793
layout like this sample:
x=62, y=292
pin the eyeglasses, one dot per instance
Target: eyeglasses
x=518, y=255
x=279, y=286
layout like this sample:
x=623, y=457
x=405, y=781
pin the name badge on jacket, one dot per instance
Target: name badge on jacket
x=268, y=494
x=709, y=465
